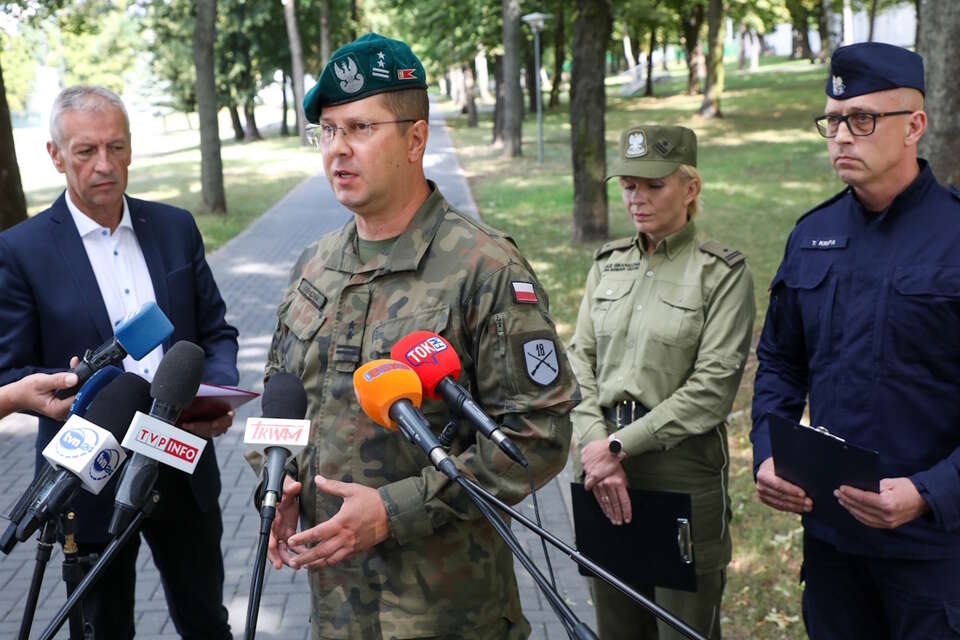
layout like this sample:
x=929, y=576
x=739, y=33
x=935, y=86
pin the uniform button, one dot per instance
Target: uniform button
x=103, y=232
x=639, y=307
x=115, y=252
x=649, y=274
x=127, y=291
x=609, y=292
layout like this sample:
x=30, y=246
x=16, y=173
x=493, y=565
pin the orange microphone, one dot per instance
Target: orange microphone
x=389, y=392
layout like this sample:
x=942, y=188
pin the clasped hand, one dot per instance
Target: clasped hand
x=607, y=480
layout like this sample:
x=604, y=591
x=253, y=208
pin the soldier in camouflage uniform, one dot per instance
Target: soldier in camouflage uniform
x=659, y=349
x=394, y=549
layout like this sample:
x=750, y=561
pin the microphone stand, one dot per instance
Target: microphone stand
x=475, y=489
x=108, y=554
x=267, y=513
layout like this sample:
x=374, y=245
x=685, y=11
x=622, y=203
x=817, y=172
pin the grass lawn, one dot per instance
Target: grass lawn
x=763, y=165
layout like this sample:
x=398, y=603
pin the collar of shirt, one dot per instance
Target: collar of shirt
x=675, y=242
x=86, y=225
x=906, y=199
x=409, y=248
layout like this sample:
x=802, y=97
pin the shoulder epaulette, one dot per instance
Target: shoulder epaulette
x=730, y=257
x=613, y=245
x=823, y=204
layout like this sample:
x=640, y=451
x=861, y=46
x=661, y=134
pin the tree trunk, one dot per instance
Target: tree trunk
x=251, y=132
x=872, y=18
x=916, y=38
x=512, y=94
x=13, y=204
x=559, y=54
x=744, y=45
x=941, y=49
x=531, y=80
x=755, y=41
x=498, y=110
x=588, y=103
x=663, y=58
x=847, y=22
x=628, y=49
x=296, y=59
x=235, y=121
x=470, y=95
x=711, y=96
x=648, y=92
x=827, y=40
x=690, y=25
x=284, y=129
x=483, y=74
x=211, y=164
x=324, y=34
x=353, y=19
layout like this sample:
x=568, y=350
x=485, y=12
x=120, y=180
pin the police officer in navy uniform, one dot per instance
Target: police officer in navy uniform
x=864, y=317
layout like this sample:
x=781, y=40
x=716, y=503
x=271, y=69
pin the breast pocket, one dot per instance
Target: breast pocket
x=678, y=316
x=816, y=301
x=611, y=306
x=301, y=320
x=924, y=313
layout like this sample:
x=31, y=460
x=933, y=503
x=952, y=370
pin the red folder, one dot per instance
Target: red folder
x=214, y=400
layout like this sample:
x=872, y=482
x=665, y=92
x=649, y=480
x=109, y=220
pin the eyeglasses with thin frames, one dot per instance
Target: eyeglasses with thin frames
x=860, y=124
x=357, y=131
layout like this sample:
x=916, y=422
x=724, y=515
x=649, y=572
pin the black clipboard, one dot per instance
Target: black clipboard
x=818, y=462
x=655, y=549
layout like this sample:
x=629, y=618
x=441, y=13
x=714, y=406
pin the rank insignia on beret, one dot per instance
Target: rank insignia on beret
x=524, y=293
x=838, y=86
x=636, y=145
x=664, y=147
x=540, y=358
x=380, y=69
x=406, y=74
x=351, y=80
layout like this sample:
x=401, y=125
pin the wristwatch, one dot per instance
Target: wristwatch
x=616, y=447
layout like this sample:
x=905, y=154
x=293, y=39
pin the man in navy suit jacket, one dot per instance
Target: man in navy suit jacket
x=63, y=292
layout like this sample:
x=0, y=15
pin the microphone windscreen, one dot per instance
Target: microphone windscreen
x=178, y=375
x=381, y=383
x=144, y=331
x=431, y=357
x=284, y=397
x=113, y=408
x=100, y=379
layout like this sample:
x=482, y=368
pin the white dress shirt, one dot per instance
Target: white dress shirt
x=121, y=274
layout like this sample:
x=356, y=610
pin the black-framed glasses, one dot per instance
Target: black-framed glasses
x=862, y=123
x=321, y=135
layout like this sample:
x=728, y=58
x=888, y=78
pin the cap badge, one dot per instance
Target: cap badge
x=838, y=86
x=351, y=80
x=636, y=145
x=380, y=70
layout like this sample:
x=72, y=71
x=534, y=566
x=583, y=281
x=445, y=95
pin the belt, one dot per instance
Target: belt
x=623, y=413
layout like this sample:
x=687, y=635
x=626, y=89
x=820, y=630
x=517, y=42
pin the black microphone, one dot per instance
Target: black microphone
x=137, y=336
x=174, y=387
x=277, y=434
x=438, y=367
x=80, y=456
x=389, y=392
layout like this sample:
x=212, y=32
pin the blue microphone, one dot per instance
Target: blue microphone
x=137, y=336
x=91, y=388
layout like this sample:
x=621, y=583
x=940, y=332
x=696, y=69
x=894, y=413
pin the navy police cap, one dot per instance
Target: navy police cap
x=873, y=66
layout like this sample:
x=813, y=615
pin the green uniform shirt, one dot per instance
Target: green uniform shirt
x=443, y=570
x=671, y=331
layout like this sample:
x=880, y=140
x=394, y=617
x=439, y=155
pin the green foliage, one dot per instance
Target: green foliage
x=19, y=55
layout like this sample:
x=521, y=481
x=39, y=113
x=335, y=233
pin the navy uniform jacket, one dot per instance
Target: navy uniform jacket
x=864, y=317
x=51, y=309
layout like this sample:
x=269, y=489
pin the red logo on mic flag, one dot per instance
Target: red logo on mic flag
x=523, y=292
x=406, y=74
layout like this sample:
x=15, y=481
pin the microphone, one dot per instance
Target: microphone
x=389, y=392
x=85, y=452
x=136, y=336
x=153, y=437
x=97, y=382
x=435, y=362
x=280, y=433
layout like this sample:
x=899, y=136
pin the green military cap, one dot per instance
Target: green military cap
x=653, y=151
x=370, y=64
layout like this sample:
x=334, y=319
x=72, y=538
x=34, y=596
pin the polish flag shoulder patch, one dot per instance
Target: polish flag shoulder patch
x=524, y=293
x=406, y=74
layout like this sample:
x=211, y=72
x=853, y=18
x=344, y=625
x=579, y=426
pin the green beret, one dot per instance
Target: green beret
x=654, y=151
x=370, y=64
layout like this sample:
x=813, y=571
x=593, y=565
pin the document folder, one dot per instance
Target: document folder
x=655, y=549
x=819, y=462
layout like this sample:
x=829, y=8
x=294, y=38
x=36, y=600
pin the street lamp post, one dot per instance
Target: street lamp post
x=536, y=20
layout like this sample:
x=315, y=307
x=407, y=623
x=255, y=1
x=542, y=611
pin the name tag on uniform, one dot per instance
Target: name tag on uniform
x=825, y=242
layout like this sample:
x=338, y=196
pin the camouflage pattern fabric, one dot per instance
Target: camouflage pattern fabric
x=443, y=571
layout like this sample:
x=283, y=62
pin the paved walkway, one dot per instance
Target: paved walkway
x=251, y=271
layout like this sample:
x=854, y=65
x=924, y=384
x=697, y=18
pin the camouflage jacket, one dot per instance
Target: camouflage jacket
x=443, y=570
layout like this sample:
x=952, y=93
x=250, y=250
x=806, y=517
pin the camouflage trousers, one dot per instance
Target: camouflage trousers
x=504, y=629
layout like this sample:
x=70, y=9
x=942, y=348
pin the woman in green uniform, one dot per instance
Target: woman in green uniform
x=661, y=341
